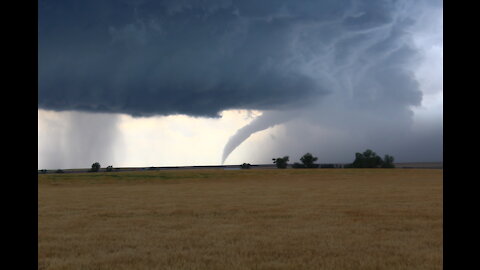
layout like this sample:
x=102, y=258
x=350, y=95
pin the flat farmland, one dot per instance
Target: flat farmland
x=242, y=219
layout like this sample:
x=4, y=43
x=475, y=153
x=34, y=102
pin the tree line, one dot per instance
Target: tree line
x=367, y=159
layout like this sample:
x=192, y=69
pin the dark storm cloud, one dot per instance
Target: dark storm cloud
x=153, y=57
x=202, y=57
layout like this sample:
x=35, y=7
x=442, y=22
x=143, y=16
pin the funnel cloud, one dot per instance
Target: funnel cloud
x=262, y=122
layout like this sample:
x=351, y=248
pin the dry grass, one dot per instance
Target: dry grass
x=248, y=219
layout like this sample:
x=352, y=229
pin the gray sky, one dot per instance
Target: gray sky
x=328, y=77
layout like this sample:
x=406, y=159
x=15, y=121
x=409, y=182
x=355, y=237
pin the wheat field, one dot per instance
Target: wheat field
x=244, y=219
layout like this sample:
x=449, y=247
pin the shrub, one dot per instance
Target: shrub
x=245, y=166
x=297, y=165
x=110, y=168
x=327, y=166
x=59, y=171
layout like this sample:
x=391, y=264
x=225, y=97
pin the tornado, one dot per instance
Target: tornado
x=266, y=120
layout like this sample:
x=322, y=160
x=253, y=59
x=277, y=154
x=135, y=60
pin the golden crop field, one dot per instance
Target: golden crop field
x=243, y=219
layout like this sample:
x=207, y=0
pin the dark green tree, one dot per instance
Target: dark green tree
x=95, y=167
x=368, y=159
x=388, y=162
x=110, y=168
x=308, y=161
x=281, y=163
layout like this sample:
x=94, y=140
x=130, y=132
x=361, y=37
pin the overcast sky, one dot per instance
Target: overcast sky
x=196, y=82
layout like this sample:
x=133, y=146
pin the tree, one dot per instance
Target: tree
x=388, y=162
x=368, y=159
x=281, y=162
x=95, y=167
x=110, y=168
x=308, y=161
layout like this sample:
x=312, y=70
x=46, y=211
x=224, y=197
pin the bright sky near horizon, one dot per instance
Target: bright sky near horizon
x=176, y=140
